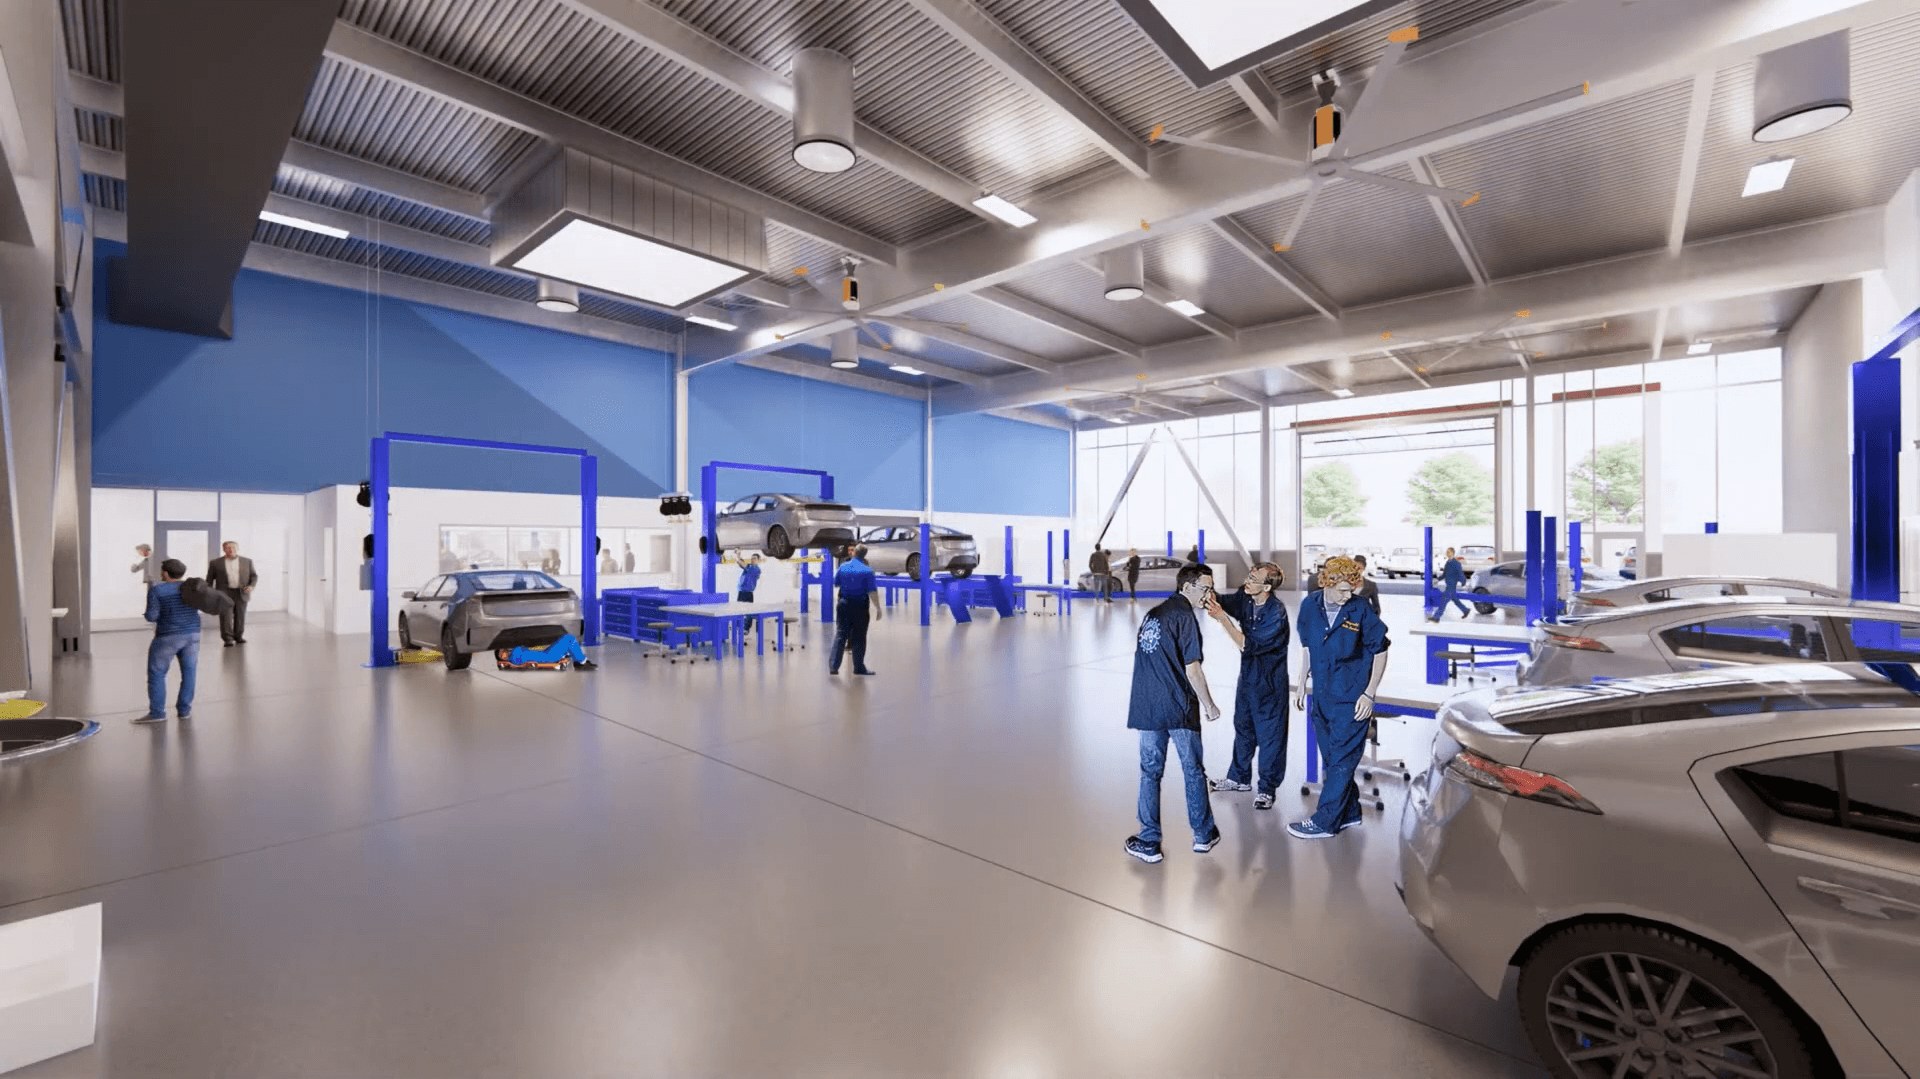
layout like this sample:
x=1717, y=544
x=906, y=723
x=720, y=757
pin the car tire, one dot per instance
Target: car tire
x=406, y=639
x=961, y=572
x=778, y=545
x=913, y=567
x=1782, y=1045
x=703, y=545
x=1483, y=608
x=455, y=659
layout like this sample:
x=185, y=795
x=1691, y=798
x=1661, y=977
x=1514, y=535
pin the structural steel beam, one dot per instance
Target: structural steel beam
x=1232, y=390
x=1059, y=320
x=374, y=53
x=1813, y=252
x=802, y=367
x=687, y=46
x=1412, y=373
x=992, y=43
x=1260, y=99
x=962, y=338
x=1697, y=111
x=1280, y=269
x=1448, y=214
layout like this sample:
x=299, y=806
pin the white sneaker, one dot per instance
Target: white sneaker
x=1228, y=785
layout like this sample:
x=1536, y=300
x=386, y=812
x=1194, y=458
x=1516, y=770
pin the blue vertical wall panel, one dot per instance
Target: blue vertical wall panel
x=312, y=372
x=873, y=443
x=986, y=464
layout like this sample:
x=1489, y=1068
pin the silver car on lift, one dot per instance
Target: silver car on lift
x=780, y=524
x=896, y=549
x=1714, y=873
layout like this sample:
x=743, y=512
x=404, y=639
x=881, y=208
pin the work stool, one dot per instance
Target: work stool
x=1371, y=762
x=685, y=647
x=1453, y=658
x=662, y=646
x=792, y=635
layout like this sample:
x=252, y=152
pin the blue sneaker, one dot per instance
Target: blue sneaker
x=1354, y=823
x=1143, y=850
x=1202, y=846
x=152, y=718
x=1306, y=829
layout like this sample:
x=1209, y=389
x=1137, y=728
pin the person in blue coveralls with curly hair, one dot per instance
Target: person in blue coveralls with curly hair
x=1346, y=654
x=1169, y=692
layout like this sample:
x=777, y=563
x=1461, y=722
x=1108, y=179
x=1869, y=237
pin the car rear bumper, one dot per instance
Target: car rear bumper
x=485, y=638
x=823, y=535
x=1454, y=881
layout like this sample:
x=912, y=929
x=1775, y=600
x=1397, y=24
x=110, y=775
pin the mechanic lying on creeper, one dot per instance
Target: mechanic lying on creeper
x=567, y=647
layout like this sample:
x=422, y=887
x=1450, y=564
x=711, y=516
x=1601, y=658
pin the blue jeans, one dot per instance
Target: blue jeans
x=1153, y=764
x=568, y=647
x=159, y=657
x=1260, y=707
x=1342, y=741
x=1452, y=596
x=851, y=619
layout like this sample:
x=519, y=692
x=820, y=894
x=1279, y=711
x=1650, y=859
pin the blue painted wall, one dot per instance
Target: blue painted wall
x=986, y=464
x=873, y=443
x=313, y=371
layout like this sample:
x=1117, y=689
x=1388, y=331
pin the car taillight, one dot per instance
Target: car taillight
x=1472, y=768
x=1596, y=601
x=1584, y=644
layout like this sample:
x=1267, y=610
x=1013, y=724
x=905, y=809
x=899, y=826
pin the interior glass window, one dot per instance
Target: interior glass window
x=1757, y=637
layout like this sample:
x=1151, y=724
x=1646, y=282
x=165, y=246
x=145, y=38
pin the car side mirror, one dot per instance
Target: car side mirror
x=406, y=595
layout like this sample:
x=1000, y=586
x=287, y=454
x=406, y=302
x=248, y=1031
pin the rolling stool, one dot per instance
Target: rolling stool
x=685, y=647
x=660, y=639
x=792, y=637
x=1371, y=761
x=1471, y=655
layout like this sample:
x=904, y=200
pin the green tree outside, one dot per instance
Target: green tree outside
x=1451, y=489
x=1607, y=486
x=1330, y=496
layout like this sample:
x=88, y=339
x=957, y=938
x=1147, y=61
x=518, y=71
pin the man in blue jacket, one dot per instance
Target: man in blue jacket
x=749, y=579
x=1257, y=621
x=176, y=632
x=1346, y=653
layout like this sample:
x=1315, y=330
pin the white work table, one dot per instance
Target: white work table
x=1496, y=639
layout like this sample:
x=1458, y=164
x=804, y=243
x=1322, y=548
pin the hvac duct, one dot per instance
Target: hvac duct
x=1126, y=273
x=1802, y=88
x=823, y=111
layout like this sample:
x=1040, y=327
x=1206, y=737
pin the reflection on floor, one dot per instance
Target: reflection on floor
x=744, y=868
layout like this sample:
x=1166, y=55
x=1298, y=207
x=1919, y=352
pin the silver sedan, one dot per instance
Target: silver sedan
x=1508, y=579
x=896, y=549
x=1618, y=592
x=1708, y=874
x=481, y=610
x=1733, y=631
x=1157, y=574
x=780, y=524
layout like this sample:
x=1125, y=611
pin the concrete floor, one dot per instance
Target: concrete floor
x=711, y=870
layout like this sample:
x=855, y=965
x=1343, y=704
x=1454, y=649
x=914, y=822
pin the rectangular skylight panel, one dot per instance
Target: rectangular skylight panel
x=303, y=223
x=1219, y=31
x=1767, y=176
x=1186, y=307
x=618, y=262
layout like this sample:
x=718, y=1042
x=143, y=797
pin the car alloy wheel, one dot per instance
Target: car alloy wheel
x=406, y=639
x=778, y=546
x=913, y=567
x=455, y=659
x=1483, y=608
x=1620, y=999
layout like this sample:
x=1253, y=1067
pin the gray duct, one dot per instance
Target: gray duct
x=1802, y=88
x=823, y=111
x=1126, y=273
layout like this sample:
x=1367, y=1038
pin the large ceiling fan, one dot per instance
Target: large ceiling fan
x=1331, y=142
x=844, y=291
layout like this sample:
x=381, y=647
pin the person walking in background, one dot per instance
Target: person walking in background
x=1101, y=568
x=1193, y=555
x=626, y=557
x=859, y=602
x=607, y=563
x=1367, y=591
x=176, y=632
x=234, y=576
x=1346, y=655
x=1452, y=576
x=144, y=567
x=749, y=579
x=1169, y=695
x=1133, y=573
x=1257, y=621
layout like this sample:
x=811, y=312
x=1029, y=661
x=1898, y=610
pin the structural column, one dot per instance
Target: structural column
x=1814, y=403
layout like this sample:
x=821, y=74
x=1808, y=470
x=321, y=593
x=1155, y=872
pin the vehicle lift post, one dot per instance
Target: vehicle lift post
x=1009, y=570
x=1535, y=591
x=710, y=559
x=926, y=574
x=1429, y=592
x=1573, y=555
x=1550, y=569
x=1049, y=556
x=379, y=482
x=1200, y=547
x=1876, y=467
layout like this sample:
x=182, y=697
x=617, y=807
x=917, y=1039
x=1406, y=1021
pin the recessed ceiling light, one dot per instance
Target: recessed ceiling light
x=1767, y=176
x=1005, y=211
x=823, y=121
x=619, y=262
x=906, y=369
x=708, y=315
x=303, y=223
x=845, y=365
x=558, y=296
x=1185, y=307
x=1699, y=348
x=1341, y=391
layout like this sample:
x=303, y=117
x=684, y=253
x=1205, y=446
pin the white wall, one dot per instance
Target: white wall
x=122, y=518
x=1816, y=374
x=268, y=527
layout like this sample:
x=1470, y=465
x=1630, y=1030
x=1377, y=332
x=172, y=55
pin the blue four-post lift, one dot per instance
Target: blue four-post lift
x=379, y=476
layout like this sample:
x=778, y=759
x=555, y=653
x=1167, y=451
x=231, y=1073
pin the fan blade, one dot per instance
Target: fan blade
x=864, y=327
x=1299, y=218
x=790, y=334
x=905, y=322
x=1236, y=151
x=1464, y=198
x=1377, y=84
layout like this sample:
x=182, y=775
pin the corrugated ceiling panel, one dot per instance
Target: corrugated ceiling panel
x=1365, y=244
x=1198, y=265
x=340, y=195
x=1358, y=47
x=104, y=192
x=1596, y=183
x=1858, y=162
x=1075, y=289
x=99, y=129
x=553, y=55
x=812, y=353
x=1104, y=54
x=92, y=32
x=1767, y=310
x=913, y=344
x=787, y=249
x=356, y=112
x=996, y=323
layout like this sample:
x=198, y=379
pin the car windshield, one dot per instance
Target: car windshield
x=943, y=530
x=509, y=582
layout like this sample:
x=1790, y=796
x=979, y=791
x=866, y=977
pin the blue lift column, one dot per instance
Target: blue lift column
x=1009, y=569
x=1049, y=556
x=1876, y=467
x=381, y=654
x=926, y=574
x=1550, y=569
x=1429, y=593
x=1534, y=591
x=1574, y=555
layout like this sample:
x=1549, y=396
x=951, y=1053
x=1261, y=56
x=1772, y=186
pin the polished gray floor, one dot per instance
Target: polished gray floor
x=746, y=868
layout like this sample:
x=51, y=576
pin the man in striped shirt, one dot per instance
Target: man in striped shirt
x=176, y=632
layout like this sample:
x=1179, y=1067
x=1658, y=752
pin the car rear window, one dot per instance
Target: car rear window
x=1870, y=788
x=1716, y=707
x=510, y=582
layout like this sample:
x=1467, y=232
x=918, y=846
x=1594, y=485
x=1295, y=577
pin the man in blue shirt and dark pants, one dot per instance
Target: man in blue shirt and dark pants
x=176, y=632
x=859, y=599
x=1169, y=692
x=1257, y=621
x=749, y=579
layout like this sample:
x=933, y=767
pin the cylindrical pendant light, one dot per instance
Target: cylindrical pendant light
x=1126, y=273
x=822, y=110
x=1802, y=88
x=846, y=350
x=558, y=296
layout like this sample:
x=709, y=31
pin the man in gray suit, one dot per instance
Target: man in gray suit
x=234, y=576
